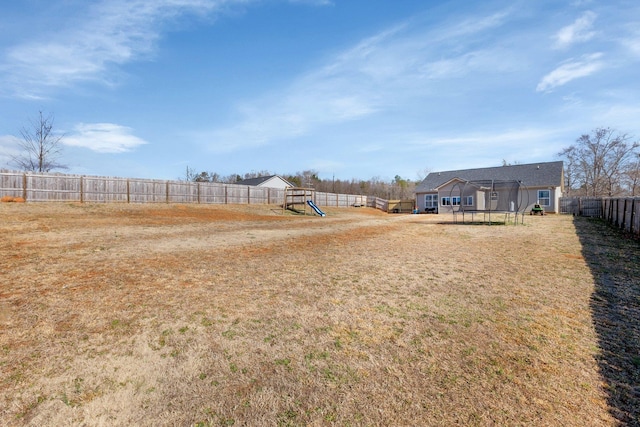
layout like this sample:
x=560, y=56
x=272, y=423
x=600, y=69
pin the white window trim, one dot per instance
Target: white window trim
x=548, y=198
x=431, y=201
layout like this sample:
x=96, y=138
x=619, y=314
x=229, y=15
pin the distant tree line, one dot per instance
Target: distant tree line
x=398, y=188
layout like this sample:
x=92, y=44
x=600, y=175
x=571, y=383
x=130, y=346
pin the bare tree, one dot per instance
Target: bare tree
x=207, y=177
x=632, y=176
x=422, y=174
x=596, y=162
x=40, y=147
x=307, y=178
x=231, y=178
x=570, y=169
x=190, y=174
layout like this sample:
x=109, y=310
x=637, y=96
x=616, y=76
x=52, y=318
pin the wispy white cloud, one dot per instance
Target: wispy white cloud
x=632, y=42
x=471, y=149
x=484, y=140
x=571, y=70
x=111, y=32
x=375, y=74
x=107, y=34
x=103, y=138
x=477, y=61
x=475, y=25
x=581, y=30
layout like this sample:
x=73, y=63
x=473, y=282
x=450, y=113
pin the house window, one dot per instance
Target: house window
x=468, y=201
x=494, y=195
x=544, y=197
x=455, y=201
x=446, y=201
x=431, y=201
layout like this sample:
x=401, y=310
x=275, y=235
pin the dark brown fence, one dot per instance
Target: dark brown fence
x=622, y=212
x=44, y=187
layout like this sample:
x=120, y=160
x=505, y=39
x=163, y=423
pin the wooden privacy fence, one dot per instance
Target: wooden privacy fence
x=582, y=206
x=339, y=200
x=44, y=187
x=622, y=212
x=378, y=203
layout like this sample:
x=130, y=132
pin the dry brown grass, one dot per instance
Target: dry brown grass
x=239, y=315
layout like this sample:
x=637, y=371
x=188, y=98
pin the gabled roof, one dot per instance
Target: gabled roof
x=549, y=174
x=261, y=180
x=452, y=180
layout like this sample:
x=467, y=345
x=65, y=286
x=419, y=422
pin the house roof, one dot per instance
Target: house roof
x=261, y=180
x=474, y=184
x=549, y=174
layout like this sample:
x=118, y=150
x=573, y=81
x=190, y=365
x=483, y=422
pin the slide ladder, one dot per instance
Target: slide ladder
x=315, y=208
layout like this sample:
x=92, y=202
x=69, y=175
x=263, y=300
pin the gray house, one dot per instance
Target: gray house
x=501, y=188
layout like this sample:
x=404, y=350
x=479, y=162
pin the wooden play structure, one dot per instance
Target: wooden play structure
x=300, y=200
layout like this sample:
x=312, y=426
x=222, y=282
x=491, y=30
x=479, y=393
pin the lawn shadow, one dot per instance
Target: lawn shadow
x=614, y=260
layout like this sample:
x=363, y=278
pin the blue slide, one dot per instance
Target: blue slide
x=315, y=208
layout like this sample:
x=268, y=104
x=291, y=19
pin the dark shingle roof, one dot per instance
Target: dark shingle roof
x=531, y=175
x=261, y=179
x=255, y=181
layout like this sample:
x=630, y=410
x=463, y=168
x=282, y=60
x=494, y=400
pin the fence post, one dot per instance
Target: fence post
x=612, y=211
x=24, y=186
x=633, y=213
x=128, y=192
x=81, y=191
x=579, y=206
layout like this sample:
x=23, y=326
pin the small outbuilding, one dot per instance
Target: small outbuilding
x=442, y=192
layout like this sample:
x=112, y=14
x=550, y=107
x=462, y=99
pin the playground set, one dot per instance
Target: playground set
x=297, y=199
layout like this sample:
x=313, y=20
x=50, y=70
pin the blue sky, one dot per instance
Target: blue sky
x=349, y=88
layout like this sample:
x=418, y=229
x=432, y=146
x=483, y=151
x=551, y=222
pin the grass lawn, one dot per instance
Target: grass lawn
x=187, y=315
